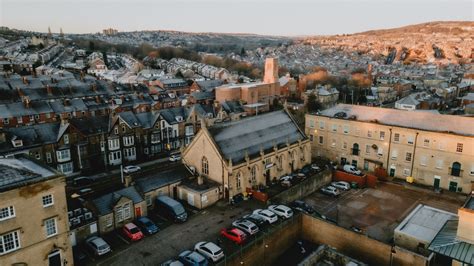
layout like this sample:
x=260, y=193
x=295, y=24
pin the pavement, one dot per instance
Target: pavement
x=378, y=211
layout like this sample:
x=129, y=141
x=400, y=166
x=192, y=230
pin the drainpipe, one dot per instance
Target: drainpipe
x=413, y=156
x=389, y=148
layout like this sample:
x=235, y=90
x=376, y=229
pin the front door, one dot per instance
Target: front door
x=354, y=163
x=54, y=258
x=343, y=161
x=138, y=211
x=437, y=179
x=453, y=186
x=392, y=172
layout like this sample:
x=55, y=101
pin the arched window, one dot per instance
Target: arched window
x=355, y=149
x=204, y=166
x=253, y=174
x=238, y=181
x=456, y=169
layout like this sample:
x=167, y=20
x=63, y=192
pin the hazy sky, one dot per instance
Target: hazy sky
x=277, y=17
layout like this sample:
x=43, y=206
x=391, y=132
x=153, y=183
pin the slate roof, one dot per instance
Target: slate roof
x=446, y=244
x=33, y=135
x=106, y=203
x=233, y=107
x=251, y=134
x=162, y=179
x=209, y=85
x=170, y=114
x=203, y=95
x=91, y=125
x=20, y=171
x=417, y=120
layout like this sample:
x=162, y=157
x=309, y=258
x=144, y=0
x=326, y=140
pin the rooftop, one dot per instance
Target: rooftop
x=424, y=222
x=250, y=135
x=21, y=171
x=446, y=244
x=416, y=120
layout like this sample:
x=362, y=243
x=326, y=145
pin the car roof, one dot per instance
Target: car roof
x=237, y=231
x=97, y=240
x=283, y=207
x=212, y=247
x=130, y=225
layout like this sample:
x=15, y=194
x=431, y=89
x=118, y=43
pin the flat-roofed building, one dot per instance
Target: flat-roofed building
x=33, y=214
x=436, y=150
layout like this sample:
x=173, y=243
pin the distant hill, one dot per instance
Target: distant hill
x=438, y=42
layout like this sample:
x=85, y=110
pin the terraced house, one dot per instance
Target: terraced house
x=436, y=150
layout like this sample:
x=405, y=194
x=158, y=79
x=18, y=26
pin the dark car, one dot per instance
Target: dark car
x=82, y=181
x=256, y=219
x=192, y=258
x=146, y=225
x=171, y=209
x=302, y=206
x=306, y=170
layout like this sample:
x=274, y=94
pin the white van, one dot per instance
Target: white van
x=351, y=169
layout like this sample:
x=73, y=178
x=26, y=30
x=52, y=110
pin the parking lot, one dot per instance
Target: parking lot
x=172, y=239
x=378, y=211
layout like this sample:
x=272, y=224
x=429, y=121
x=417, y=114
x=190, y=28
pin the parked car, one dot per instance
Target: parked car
x=331, y=191
x=341, y=185
x=247, y=226
x=315, y=167
x=209, y=250
x=281, y=210
x=267, y=215
x=82, y=181
x=175, y=157
x=131, y=169
x=351, y=169
x=237, y=198
x=306, y=170
x=302, y=206
x=170, y=209
x=192, y=258
x=172, y=263
x=98, y=245
x=234, y=234
x=255, y=218
x=146, y=225
x=132, y=231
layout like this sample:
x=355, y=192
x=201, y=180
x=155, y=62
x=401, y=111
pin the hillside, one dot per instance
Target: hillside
x=438, y=42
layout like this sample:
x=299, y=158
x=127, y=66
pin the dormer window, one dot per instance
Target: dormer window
x=179, y=118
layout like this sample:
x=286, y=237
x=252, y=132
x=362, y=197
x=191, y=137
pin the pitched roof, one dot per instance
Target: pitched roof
x=250, y=135
x=446, y=244
x=162, y=179
x=393, y=117
x=106, y=203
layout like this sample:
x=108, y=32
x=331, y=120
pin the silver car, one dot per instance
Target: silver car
x=98, y=245
x=246, y=226
x=209, y=250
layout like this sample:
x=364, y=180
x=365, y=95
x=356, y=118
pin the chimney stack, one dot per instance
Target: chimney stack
x=200, y=180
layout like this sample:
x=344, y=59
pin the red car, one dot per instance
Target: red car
x=233, y=234
x=131, y=231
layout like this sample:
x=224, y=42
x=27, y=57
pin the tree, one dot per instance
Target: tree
x=312, y=105
x=91, y=45
x=242, y=52
x=276, y=105
x=106, y=61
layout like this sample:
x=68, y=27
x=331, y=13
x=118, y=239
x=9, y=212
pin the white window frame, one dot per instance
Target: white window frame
x=50, y=226
x=15, y=235
x=7, y=213
x=46, y=202
x=382, y=135
x=49, y=157
x=108, y=221
x=334, y=128
x=66, y=138
x=63, y=155
x=396, y=137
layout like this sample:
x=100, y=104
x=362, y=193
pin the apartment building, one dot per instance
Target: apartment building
x=436, y=150
x=33, y=214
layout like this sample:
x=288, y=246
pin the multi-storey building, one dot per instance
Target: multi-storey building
x=33, y=214
x=436, y=150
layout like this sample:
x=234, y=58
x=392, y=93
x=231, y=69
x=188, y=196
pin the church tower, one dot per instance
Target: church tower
x=271, y=71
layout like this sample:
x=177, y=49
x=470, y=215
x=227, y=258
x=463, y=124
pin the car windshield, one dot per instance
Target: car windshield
x=134, y=230
x=148, y=223
x=178, y=209
x=102, y=247
x=218, y=252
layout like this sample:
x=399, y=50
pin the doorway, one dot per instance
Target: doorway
x=392, y=171
x=138, y=211
x=453, y=186
x=437, y=180
x=343, y=161
x=54, y=258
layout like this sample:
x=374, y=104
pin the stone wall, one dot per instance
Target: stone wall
x=304, y=188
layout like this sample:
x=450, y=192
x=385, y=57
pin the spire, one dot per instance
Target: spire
x=61, y=33
x=49, y=32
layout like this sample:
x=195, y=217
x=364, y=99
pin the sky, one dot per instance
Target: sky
x=272, y=17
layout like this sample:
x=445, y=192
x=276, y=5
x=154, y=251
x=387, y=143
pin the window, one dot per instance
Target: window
x=396, y=137
x=334, y=128
x=7, y=213
x=127, y=213
x=32, y=118
x=49, y=158
x=394, y=155
x=114, y=144
x=124, y=129
x=333, y=143
x=63, y=155
x=155, y=138
x=369, y=133
x=355, y=149
x=321, y=124
x=382, y=135
x=408, y=157
x=48, y=200
x=472, y=170
x=311, y=123
x=19, y=120
x=346, y=129
x=205, y=166
x=238, y=181
x=439, y=164
x=50, y=227
x=410, y=140
x=423, y=160
x=357, y=132
x=456, y=169
x=6, y=121
x=66, y=168
x=116, y=130
x=123, y=212
x=108, y=221
x=128, y=140
x=321, y=140
x=367, y=149
x=459, y=147
x=426, y=142
x=115, y=156
x=130, y=153
x=66, y=139
x=406, y=172
x=148, y=200
x=380, y=152
x=9, y=242
x=253, y=174
x=344, y=145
